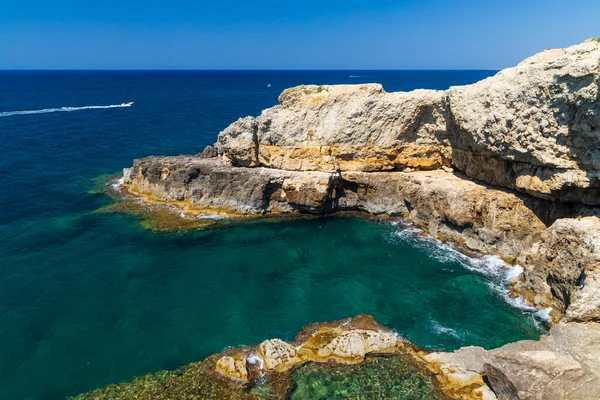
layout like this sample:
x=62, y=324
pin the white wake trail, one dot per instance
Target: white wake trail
x=61, y=109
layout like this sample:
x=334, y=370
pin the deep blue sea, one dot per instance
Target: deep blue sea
x=88, y=299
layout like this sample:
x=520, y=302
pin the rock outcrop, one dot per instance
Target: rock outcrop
x=564, y=365
x=508, y=166
x=533, y=128
x=233, y=367
x=347, y=341
x=562, y=270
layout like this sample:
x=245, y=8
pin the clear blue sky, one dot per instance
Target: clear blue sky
x=287, y=34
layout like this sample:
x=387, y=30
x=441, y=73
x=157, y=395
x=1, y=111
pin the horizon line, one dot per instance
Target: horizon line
x=235, y=69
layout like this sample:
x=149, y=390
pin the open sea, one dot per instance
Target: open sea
x=88, y=299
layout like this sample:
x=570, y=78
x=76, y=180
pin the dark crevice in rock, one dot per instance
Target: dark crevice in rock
x=460, y=228
x=581, y=280
x=502, y=387
x=270, y=189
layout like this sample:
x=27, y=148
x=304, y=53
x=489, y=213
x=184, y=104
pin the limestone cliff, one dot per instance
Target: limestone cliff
x=534, y=128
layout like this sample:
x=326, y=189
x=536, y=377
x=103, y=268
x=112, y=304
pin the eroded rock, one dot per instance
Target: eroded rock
x=562, y=270
x=233, y=367
x=533, y=128
x=353, y=346
x=278, y=355
x=565, y=365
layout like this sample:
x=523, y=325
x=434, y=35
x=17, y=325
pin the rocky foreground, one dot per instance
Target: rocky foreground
x=563, y=365
x=508, y=166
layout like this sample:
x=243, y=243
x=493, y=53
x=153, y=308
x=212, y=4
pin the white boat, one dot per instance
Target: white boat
x=127, y=104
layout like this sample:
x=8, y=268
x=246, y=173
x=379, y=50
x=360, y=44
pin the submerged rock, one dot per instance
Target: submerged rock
x=377, y=378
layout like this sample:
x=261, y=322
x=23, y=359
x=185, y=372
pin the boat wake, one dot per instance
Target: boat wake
x=61, y=109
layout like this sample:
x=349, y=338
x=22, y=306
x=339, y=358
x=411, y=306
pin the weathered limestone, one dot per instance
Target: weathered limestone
x=562, y=270
x=233, y=367
x=352, y=128
x=278, y=355
x=561, y=366
x=533, y=128
x=356, y=344
x=347, y=342
x=212, y=185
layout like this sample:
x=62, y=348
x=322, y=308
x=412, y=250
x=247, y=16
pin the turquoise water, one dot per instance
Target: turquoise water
x=88, y=299
x=103, y=300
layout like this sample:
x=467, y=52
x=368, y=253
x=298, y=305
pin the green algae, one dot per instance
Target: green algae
x=194, y=381
x=379, y=377
x=159, y=218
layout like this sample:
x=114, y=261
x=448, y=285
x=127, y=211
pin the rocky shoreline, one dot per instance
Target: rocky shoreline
x=562, y=365
x=507, y=166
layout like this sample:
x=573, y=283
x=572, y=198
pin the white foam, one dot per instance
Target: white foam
x=254, y=359
x=118, y=183
x=345, y=323
x=211, y=216
x=513, y=273
x=394, y=335
x=61, y=109
x=444, y=330
x=544, y=314
x=494, y=267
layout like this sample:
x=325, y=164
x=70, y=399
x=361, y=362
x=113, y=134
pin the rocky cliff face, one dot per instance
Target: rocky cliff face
x=534, y=128
x=561, y=366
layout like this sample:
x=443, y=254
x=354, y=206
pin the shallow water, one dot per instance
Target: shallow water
x=88, y=299
x=377, y=378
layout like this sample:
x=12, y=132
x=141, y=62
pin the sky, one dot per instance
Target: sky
x=296, y=34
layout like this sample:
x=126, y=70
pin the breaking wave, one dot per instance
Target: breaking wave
x=61, y=109
x=444, y=330
x=500, y=273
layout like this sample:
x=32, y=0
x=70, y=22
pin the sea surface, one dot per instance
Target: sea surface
x=88, y=299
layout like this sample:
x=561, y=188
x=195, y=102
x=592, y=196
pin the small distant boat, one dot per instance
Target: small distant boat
x=269, y=85
x=127, y=104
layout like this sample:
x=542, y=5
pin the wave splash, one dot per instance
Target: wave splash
x=61, y=109
x=500, y=273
